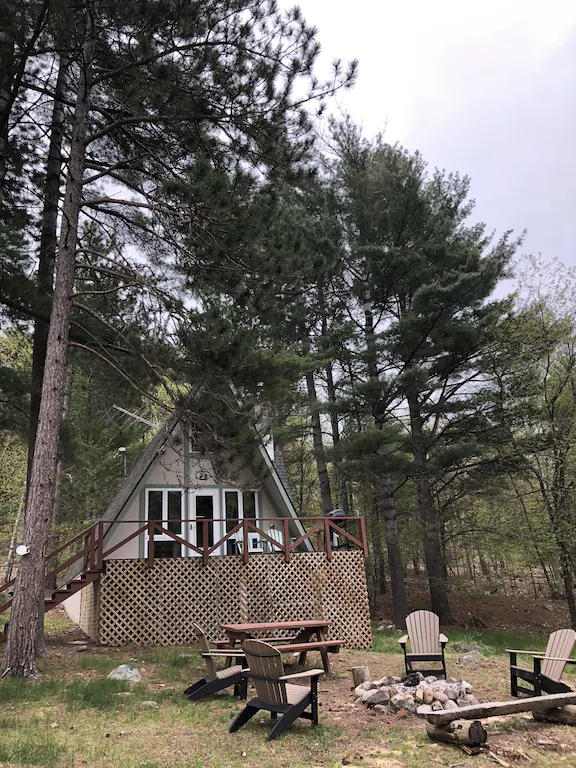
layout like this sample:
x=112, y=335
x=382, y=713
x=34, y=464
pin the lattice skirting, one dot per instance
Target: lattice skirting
x=156, y=606
x=88, y=621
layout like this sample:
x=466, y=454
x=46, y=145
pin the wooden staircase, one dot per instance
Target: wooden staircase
x=80, y=569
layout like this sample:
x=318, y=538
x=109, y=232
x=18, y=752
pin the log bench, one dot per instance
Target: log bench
x=452, y=725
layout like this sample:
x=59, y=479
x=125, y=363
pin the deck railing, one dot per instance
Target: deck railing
x=88, y=550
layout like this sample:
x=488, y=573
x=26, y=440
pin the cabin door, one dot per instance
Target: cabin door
x=204, y=506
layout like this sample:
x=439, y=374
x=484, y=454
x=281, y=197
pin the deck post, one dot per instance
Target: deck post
x=244, y=541
x=151, y=529
x=286, y=540
x=327, y=542
x=362, y=522
x=205, y=545
x=100, y=543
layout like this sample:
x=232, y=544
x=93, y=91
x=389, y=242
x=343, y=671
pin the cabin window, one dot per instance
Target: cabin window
x=165, y=507
x=238, y=505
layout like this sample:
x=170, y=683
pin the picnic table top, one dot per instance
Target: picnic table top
x=269, y=625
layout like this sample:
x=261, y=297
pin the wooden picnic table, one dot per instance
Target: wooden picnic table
x=305, y=630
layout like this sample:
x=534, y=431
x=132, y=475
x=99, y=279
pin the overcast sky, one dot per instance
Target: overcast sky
x=481, y=87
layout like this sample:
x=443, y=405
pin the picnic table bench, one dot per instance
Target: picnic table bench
x=301, y=642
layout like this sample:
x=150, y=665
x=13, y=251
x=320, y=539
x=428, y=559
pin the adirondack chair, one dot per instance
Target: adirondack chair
x=215, y=679
x=426, y=642
x=547, y=667
x=274, y=693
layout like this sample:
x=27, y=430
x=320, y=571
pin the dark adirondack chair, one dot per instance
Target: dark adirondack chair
x=547, y=668
x=274, y=693
x=427, y=643
x=215, y=679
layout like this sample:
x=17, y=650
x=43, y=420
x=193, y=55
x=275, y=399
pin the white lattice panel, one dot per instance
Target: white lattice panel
x=157, y=606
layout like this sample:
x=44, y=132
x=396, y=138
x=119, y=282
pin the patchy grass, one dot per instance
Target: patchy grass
x=73, y=719
x=31, y=746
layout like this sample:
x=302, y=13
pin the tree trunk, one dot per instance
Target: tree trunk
x=430, y=518
x=397, y=580
x=13, y=539
x=324, y=478
x=469, y=732
x=47, y=251
x=339, y=476
x=44, y=288
x=379, y=581
x=385, y=496
x=20, y=656
x=360, y=675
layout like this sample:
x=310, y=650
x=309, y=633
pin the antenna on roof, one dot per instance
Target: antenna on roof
x=135, y=416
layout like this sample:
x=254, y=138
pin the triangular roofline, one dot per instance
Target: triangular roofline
x=152, y=449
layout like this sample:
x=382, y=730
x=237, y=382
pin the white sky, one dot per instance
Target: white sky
x=481, y=87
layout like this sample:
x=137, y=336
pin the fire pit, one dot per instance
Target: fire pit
x=414, y=694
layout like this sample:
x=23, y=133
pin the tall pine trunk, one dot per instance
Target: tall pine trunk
x=6, y=76
x=339, y=476
x=21, y=646
x=386, y=503
x=429, y=516
x=323, y=476
x=45, y=284
x=387, y=507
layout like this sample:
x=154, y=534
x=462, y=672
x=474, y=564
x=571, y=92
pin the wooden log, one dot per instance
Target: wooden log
x=360, y=675
x=492, y=709
x=565, y=715
x=469, y=732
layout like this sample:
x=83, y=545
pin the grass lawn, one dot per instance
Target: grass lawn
x=73, y=717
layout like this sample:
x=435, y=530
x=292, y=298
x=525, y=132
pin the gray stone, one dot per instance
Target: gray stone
x=452, y=693
x=382, y=708
x=123, y=693
x=186, y=656
x=396, y=679
x=150, y=704
x=470, y=659
x=81, y=649
x=125, y=672
x=358, y=691
x=428, y=696
x=430, y=679
x=549, y=607
x=450, y=704
x=465, y=687
x=368, y=686
x=403, y=701
x=385, y=681
x=435, y=706
x=451, y=680
x=440, y=696
x=424, y=709
x=379, y=696
x=359, y=701
x=469, y=700
x=419, y=695
x=460, y=647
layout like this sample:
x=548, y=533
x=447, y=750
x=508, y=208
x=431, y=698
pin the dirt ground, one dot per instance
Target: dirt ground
x=510, y=609
x=350, y=735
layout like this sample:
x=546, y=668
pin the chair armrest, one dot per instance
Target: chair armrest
x=554, y=658
x=225, y=654
x=403, y=640
x=306, y=673
x=526, y=653
x=443, y=639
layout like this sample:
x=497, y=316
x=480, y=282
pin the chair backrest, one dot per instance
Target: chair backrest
x=423, y=632
x=264, y=661
x=205, y=648
x=560, y=645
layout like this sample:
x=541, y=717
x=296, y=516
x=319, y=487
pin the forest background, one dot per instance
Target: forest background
x=177, y=212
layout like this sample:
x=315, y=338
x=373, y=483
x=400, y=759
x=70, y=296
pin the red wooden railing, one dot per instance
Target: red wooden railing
x=90, y=557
